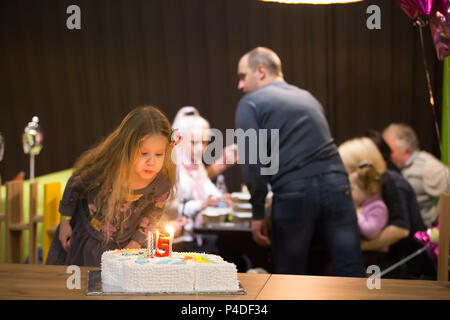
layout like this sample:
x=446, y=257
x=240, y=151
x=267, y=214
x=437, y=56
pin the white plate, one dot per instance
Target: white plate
x=213, y=212
x=243, y=215
x=242, y=196
x=242, y=206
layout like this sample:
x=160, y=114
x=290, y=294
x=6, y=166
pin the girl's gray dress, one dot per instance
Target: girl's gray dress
x=90, y=232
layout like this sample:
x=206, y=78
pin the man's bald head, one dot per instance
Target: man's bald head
x=266, y=57
x=258, y=68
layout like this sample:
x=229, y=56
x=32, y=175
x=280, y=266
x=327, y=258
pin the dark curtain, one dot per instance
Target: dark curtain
x=172, y=53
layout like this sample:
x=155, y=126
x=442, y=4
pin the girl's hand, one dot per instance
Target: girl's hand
x=133, y=245
x=65, y=232
x=210, y=202
x=227, y=198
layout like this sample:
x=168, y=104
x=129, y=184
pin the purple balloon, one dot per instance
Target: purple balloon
x=416, y=8
x=441, y=6
x=440, y=31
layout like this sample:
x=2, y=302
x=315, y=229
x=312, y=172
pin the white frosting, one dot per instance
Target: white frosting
x=183, y=272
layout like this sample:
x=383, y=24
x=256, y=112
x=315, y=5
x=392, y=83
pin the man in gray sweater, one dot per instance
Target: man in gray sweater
x=428, y=176
x=311, y=189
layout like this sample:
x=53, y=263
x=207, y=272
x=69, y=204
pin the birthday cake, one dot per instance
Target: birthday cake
x=133, y=270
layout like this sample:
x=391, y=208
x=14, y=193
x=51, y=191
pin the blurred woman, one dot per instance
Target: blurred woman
x=195, y=191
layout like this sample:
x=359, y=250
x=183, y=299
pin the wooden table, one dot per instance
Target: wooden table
x=20, y=281
x=292, y=287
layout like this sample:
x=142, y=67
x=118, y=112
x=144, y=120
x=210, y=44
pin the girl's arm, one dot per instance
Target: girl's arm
x=67, y=207
x=65, y=232
x=192, y=207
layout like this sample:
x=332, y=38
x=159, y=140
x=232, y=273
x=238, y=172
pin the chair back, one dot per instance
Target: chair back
x=2, y=220
x=52, y=197
x=14, y=222
x=34, y=219
x=444, y=237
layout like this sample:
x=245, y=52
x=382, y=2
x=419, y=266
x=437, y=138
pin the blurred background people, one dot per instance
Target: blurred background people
x=428, y=176
x=403, y=211
x=371, y=211
x=421, y=266
x=311, y=188
x=195, y=190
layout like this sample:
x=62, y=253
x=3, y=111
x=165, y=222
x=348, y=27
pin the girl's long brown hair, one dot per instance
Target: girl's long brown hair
x=108, y=165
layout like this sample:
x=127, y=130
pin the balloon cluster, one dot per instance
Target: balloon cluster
x=430, y=239
x=32, y=137
x=437, y=13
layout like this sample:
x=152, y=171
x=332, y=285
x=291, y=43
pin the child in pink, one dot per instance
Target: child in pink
x=372, y=211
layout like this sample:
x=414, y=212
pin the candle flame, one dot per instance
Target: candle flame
x=170, y=230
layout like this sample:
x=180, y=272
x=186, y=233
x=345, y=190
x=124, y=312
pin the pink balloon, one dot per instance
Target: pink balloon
x=424, y=238
x=416, y=8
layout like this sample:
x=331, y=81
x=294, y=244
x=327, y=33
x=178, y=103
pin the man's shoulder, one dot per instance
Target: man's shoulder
x=427, y=157
x=426, y=161
x=426, y=166
x=277, y=90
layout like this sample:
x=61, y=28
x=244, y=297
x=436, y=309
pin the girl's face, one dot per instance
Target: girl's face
x=359, y=196
x=150, y=160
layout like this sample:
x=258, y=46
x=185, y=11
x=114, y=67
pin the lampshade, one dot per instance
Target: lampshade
x=311, y=1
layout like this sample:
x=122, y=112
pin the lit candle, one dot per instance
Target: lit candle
x=164, y=244
x=152, y=245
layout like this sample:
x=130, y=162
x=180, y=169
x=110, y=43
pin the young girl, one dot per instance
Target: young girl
x=366, y=192
x=117, y=191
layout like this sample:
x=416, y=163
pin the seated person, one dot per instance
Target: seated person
x=421, y=266
x=371, y=211
x=353, y=152
x=195, y=191
x=428, y=176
